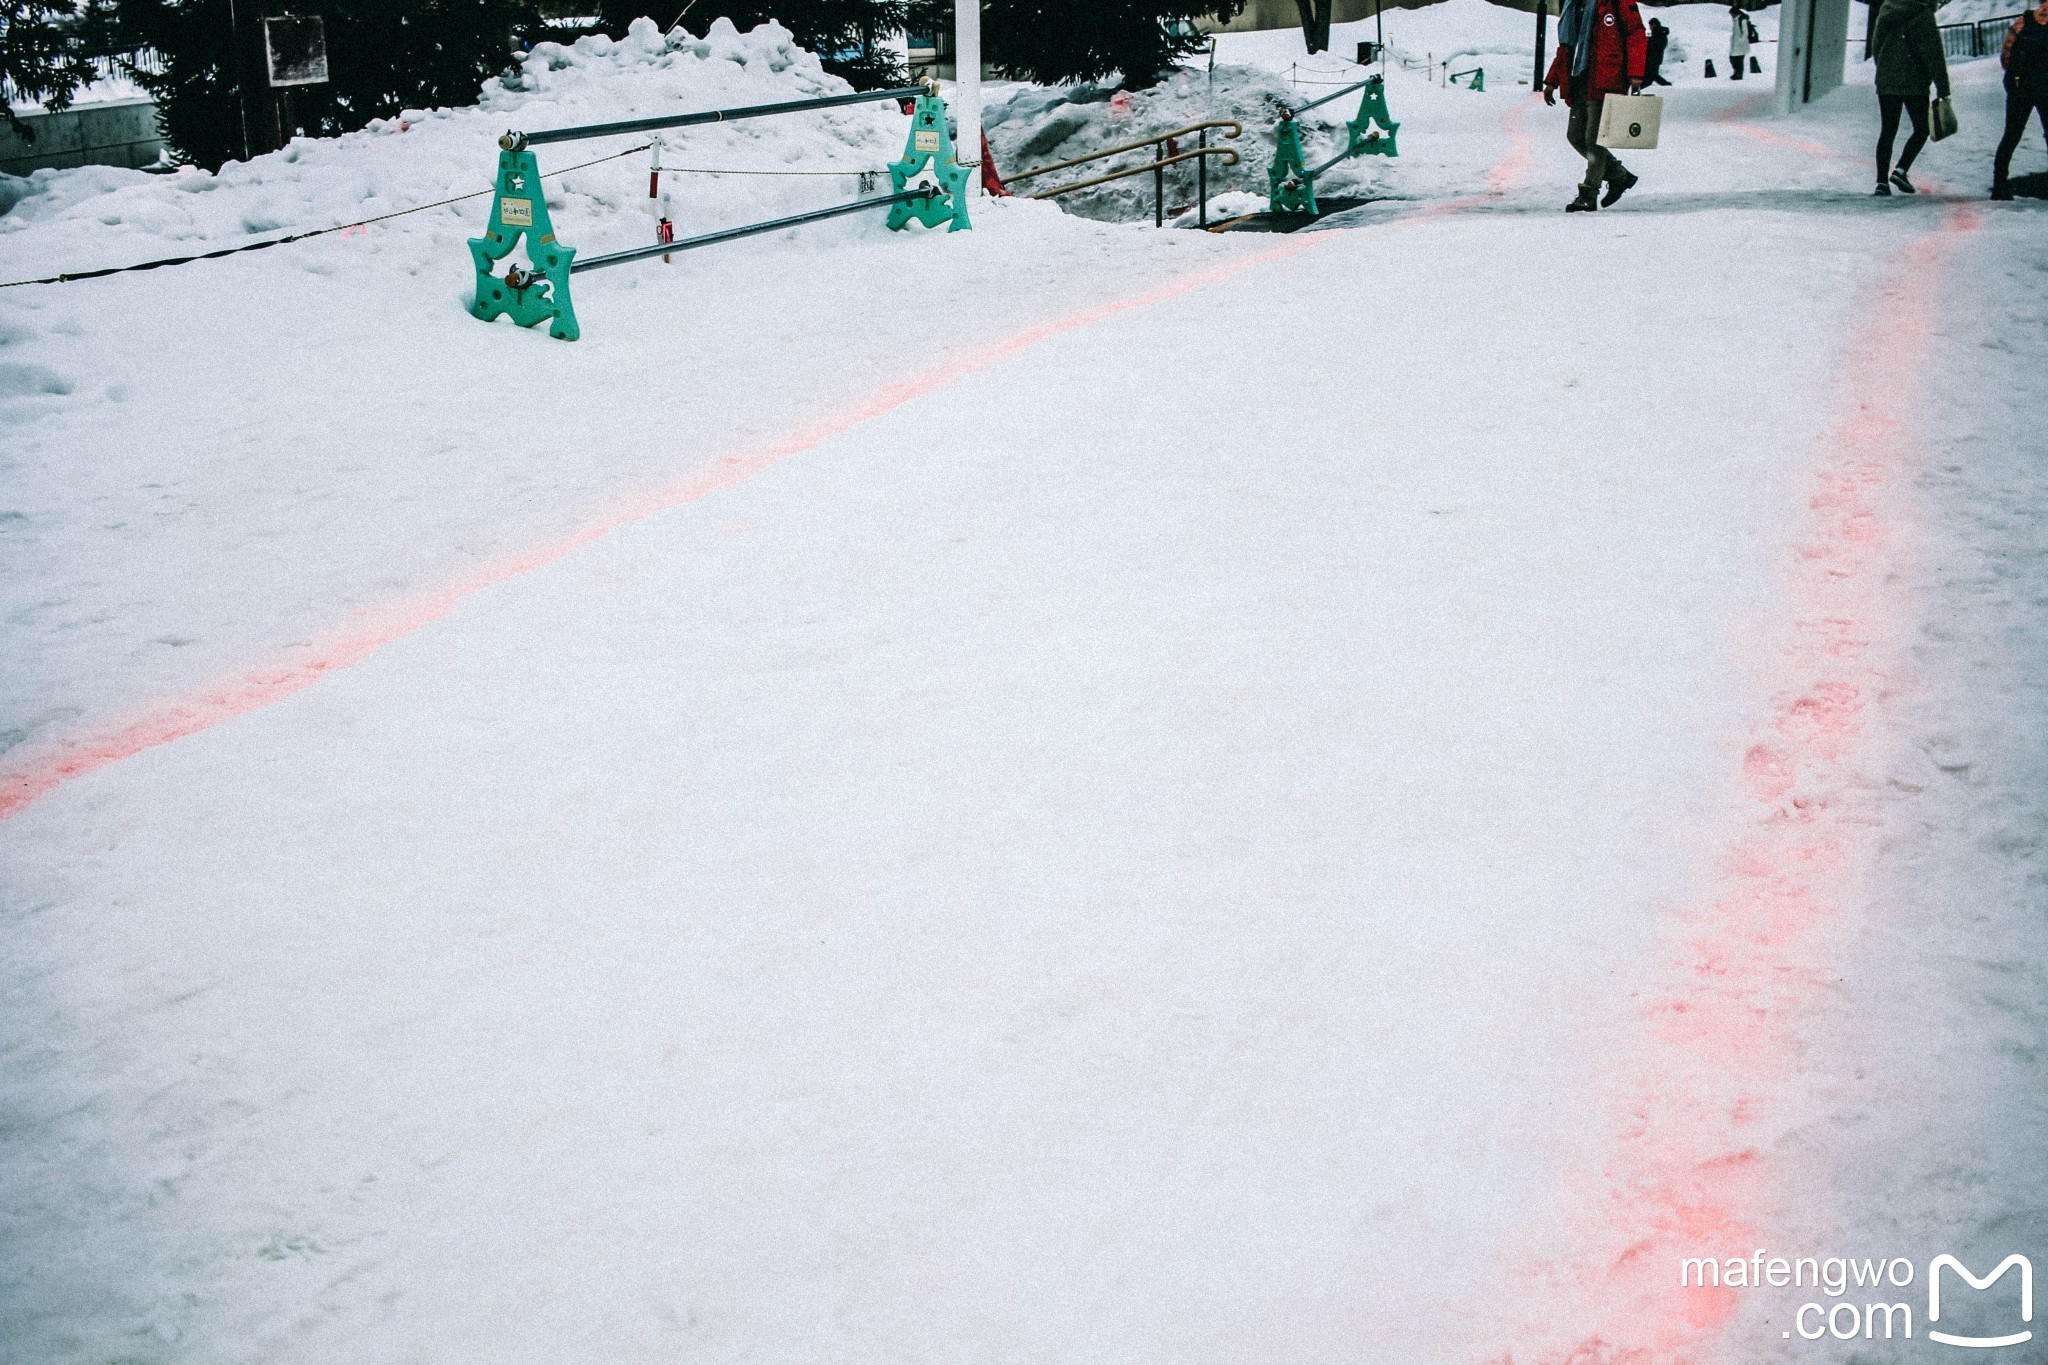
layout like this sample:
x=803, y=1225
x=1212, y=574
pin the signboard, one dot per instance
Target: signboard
x=296, y=49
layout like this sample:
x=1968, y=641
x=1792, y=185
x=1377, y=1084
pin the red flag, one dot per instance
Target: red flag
x=990, y=181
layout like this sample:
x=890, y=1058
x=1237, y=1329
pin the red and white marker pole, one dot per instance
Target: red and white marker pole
x=657, y=202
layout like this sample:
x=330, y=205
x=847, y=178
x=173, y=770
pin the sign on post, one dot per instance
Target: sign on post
x=295, y=49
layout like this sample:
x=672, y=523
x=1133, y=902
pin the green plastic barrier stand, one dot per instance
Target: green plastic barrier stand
x=528, y=297
x=1367, y=140
x=928, y=159
x=1290, y=188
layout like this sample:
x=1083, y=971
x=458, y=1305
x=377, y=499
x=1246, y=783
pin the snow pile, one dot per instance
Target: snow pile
x=1032, y=126
x=113, y=88
x=100, y=216
x=1448, y=135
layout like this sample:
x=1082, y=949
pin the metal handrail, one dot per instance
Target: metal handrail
x=641, y=253
x=1236, y=129
x=1976, y=37
x=1140, y=169
x=517, y=141
x=1334, y=94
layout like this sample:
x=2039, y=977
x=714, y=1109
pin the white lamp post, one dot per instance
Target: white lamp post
x=967, y=89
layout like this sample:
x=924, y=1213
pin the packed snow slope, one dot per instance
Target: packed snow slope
x=1062, y=792
x=1256, y=75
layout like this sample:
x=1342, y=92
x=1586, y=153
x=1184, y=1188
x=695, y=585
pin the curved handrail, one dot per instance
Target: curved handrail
x=1232, y=124
x=1230, y=153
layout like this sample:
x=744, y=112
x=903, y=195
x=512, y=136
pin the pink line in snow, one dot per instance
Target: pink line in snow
x=1687, y=1172
x=1509, y=170
x=22, y=783
x=1743, y=109
x=1739, y=109
x=27, y=779
x=1758, y=133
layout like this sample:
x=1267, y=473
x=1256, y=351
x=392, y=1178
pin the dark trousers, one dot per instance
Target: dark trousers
x=2018, y=104
x=1583, y=132
x=1888, y=107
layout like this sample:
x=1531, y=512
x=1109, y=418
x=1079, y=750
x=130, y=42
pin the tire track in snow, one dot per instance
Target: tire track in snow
x=50, y=764
x=1716, y=1075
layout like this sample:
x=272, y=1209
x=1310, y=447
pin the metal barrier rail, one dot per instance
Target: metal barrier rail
x=1291, y=181
x=928, y=181
x=1982, y=38
x=515, y=141
x=1334, y=94
x=1157, y=166
x=641, y=253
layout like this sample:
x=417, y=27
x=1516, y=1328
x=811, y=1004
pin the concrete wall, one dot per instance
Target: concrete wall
x=117, y=133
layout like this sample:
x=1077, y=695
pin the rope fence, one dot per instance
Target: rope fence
x=71, y=275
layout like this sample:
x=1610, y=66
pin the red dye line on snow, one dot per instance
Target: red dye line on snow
x=23, y=782
x=1752, y=105
x=35, y=775
x=1746, y=107
x=1509, y=170
x=1686, y=1174
x=1796, y=144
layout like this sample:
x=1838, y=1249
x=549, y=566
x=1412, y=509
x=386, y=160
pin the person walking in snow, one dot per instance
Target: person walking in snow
x=1601, y=45
x=1738, y=43
x=1907, y=46
x=1653, y=60
x=2025, y=59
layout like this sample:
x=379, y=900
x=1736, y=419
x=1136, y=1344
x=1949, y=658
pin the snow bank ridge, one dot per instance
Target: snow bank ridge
x=95, y=217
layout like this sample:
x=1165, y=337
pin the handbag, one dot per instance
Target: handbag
x=1630, y=120
x=1944, y=118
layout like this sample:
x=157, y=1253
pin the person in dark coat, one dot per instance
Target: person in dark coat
x=2025, y=59
x=1907, y=46
x=1653, y=58
x=1601, y=46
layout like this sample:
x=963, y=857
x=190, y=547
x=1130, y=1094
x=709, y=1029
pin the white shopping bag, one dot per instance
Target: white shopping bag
x=1630, y=120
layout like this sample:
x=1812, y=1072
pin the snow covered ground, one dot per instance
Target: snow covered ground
x=1063, y=792
x=1258, y=74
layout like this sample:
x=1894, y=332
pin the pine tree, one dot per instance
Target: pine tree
x=383, y=56
x=45, y=53
x=1057, y=41
x=846, y=34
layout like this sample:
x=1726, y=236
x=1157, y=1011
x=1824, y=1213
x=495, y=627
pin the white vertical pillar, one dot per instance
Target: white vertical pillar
x=967, y=89
x=1828, y=48
x=1794, y=23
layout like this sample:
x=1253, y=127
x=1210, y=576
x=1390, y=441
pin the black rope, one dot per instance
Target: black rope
x=69, y=276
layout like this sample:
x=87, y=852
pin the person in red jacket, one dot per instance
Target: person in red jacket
x=1601, y=50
